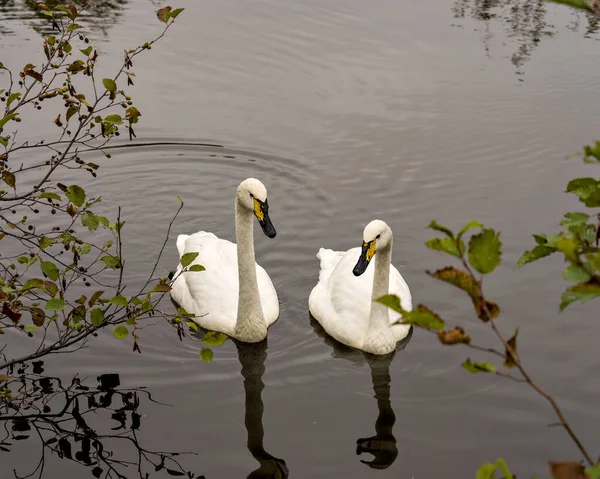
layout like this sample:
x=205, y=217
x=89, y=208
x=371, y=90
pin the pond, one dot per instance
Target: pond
x=347, y=111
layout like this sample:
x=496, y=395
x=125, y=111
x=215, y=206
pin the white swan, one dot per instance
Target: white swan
x=342, y=301
x=214, y=296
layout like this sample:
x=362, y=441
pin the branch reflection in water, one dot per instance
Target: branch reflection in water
x=382, y=446
x=69, y=423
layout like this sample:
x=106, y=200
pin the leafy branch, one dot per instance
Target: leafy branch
x=577, y=243
x=54, y=243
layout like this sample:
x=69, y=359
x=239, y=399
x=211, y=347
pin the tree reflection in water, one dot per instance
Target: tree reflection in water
x=525, y=23
x=72, y=422
x=97, y=17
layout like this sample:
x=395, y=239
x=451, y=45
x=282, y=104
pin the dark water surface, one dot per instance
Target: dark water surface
x=348, y=111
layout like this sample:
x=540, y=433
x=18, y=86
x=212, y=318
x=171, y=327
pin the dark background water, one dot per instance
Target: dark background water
x=349, y=111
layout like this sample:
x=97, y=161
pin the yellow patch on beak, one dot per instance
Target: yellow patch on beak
x=370, y=251
x=258, y=211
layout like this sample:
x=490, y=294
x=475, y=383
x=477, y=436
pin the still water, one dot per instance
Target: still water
x=347, y=111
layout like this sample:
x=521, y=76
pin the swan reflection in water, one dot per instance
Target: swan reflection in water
x=382, y=446
x=252, y=357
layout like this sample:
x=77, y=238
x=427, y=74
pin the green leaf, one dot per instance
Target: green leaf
x=12, y=97
x=576, y=274
x=193, y=326
x=73, y=27
x=484, y=251
x=146, y=306
x=27, y=260
x=213, y=338
x=446, y=245
x=187, y=259
x=30, y=328
x=471, y=225
x=118, y=300
x=90, y=221
x=49, y=269
x=536, y=253
x=420, y=316
x=111, y=261
x=9, y=178
x=113, y=120
x=593, y=472
x=46, y=286
x=45, y=242
x=486, y=471
x=71, y=111
x=161, y=288
x=436, y=226
x=87, y=51
x=4, y=140
x=121, y=332
x=52, y=196
x=206, y=355
x=97, y=316
x=574, y=219
x=86, y=248
x=109, y=84
x=580, y=292
x=76, y=195
x=478, y=367
x=197, y=267
x=7, y=118
x=77, y=65
x=176, y=12
x=587, y=190
x=569, y=247
x=55, y=304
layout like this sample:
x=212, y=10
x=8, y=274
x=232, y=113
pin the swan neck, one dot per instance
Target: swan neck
x=250, y=325
x=379, y=317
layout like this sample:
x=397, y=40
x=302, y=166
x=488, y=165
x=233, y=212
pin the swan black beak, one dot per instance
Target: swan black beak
x=368, y=250
x=261, y=211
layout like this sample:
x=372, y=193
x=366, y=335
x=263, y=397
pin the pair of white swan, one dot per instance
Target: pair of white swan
x=235, y=296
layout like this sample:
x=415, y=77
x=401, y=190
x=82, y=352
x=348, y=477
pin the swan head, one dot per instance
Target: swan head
x=377, y=235
x=252, y=194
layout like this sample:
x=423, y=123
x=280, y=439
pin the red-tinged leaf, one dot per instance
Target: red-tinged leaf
x=567, y=470
x=163, y=14
x=13, y=315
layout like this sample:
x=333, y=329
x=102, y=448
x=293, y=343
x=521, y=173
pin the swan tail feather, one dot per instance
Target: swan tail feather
x=329, y=260
x=181, y=239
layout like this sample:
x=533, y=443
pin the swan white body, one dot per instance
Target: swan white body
x=214, y=296
x=343, y=302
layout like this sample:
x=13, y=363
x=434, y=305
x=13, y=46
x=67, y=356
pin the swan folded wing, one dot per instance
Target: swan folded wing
x=268, y=295
x=213, y=293
x=350, y=295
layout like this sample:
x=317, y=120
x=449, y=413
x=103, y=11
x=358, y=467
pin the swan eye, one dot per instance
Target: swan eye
x=378, y=236
x=251, y=195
